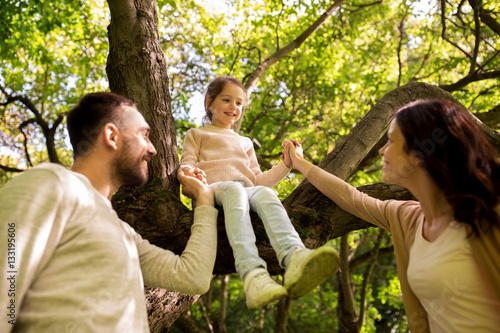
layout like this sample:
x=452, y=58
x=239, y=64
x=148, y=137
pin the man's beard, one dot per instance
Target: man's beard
x=128, y=169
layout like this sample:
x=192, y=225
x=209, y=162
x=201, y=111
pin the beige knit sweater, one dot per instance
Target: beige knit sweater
x=75, y=266
x=225, y=155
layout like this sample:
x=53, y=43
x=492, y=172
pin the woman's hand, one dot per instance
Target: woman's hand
x=292, y=149
x=285, y=157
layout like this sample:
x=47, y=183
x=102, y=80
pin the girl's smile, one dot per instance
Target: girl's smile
x=227, y=106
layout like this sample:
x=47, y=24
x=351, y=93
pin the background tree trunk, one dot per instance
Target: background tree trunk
x=161, y=303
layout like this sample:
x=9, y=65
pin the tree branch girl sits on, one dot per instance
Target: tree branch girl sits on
x=227, y=162
x=447, y=245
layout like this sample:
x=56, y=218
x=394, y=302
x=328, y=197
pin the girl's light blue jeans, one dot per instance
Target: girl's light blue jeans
x=236, y=199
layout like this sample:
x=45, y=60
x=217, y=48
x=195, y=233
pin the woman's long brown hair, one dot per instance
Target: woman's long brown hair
x=457, y=155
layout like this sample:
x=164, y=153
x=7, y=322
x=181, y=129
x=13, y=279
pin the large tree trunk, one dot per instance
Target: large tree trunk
x=137, y=69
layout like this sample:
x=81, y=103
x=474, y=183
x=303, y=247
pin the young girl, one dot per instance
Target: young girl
x=227, y=162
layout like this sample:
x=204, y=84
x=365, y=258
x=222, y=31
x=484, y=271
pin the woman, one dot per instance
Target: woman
x=447, y=244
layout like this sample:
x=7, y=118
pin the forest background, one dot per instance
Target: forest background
x=328, y=73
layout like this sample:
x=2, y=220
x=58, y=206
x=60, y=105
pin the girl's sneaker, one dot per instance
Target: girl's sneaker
x=308, y=268
x=261, y=289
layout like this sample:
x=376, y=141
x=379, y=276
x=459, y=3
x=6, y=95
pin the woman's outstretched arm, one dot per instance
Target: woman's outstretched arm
x=348, y=197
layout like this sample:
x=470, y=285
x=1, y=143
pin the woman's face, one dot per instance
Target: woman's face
x=399, y=167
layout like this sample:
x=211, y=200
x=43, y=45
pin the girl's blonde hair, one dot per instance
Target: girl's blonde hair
x=215, y=88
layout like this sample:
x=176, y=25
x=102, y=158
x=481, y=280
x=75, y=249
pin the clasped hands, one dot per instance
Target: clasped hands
x=291, y=150
x=194, y=185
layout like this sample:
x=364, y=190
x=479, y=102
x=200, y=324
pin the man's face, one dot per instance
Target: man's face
x=135, y=151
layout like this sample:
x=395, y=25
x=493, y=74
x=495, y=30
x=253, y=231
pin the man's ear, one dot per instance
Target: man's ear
x=110, y=136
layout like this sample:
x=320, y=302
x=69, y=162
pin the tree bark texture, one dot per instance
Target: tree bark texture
x=137, y=69
x=282, y=317
x=161, y=303
x=346, y=158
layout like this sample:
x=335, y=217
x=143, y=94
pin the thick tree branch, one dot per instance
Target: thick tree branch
x=252, y=79
x=346, y=297
x=485, y=16
x=401, y=29
x=469, y=79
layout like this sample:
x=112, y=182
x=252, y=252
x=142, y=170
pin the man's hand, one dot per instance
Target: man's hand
x=196, y=189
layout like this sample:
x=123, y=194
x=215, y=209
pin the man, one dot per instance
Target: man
x=68, y=263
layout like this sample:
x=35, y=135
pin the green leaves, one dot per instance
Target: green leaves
x=51, y=53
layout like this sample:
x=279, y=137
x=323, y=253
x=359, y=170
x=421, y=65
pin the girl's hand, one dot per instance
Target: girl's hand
x=200, y=175
x=196, y=173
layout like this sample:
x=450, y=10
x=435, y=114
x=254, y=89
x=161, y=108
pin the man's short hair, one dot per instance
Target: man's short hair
x=86, y=120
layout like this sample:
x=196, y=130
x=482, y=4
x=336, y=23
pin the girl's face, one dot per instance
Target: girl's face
x=227, y=106
x=399, y=166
